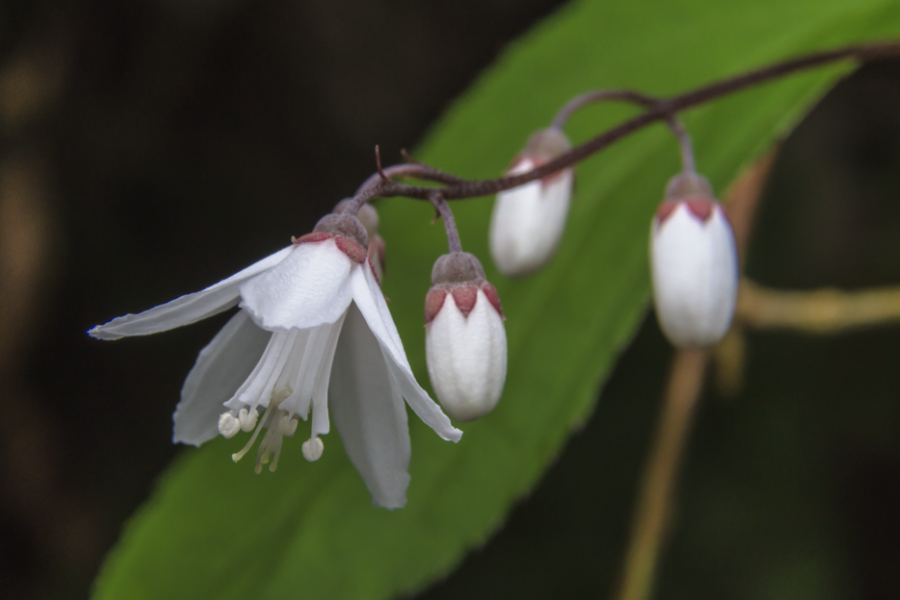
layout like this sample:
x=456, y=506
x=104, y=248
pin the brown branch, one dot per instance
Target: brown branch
x=664, y=109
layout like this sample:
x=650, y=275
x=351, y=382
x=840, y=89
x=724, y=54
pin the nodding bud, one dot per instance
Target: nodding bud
x=465, y=340
x=368, y=216
x=529, y=220
x=694, y=264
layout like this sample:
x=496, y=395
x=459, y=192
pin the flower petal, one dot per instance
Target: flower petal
x=307, y=289
x=221, y=367
x=368, y=298
x=189, y=308
x=368, y=411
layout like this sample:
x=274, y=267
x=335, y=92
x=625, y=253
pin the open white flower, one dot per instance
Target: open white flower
x=313, y=332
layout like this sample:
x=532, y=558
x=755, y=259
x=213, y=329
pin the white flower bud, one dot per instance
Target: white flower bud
x=695, y=268
x=465, y=340
x=529, y=221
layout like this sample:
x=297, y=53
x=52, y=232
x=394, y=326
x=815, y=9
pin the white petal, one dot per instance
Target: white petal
x=307, y=289
x=368, y=411
x=368, y=298
x=257, y=387
x=320, y=423
x=528, y=222
x=189, y=308
x=221, y=367
x=695, y=276
x=467, y=358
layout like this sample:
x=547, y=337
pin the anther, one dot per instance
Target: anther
x=248, y=419
x=313, y=449
x=228, y=425
x=288, y=425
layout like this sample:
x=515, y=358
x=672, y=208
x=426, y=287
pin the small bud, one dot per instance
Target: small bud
x=694, y=264
x=465, y=340
x=528, y=221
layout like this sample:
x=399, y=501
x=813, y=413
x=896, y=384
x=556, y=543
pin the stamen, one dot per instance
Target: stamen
x=228, y=425
x=313, y=449
x=239, y=455
x=270, y=445
x=288, y=425
x=248, y=420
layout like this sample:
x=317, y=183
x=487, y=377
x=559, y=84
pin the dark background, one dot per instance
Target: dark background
x=148, y=149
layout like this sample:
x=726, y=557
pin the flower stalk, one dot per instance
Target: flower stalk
x=457, y=188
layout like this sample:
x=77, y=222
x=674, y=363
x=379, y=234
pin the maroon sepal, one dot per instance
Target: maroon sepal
x=465, y=297
x=351, y=248
x=318, y=236
x=374, y=272
x=702, y=208
x=434, y=301
x=490, y=293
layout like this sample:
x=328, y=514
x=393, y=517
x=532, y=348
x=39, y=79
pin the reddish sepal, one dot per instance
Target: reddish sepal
x=377, y=250
x=665, y=210
x=465, y=296
x=351, y=248
x=318, y=236
x=434, y=300
x=374, y=272
x=701, y=207
x=490, y=293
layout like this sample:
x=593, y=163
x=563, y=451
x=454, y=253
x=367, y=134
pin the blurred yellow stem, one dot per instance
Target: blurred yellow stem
x=818, y=311
x=654, y=504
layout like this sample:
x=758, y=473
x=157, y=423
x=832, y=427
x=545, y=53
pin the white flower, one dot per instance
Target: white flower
x=465, y=341
x=528, y=221
x=313, y=332
x=695, y=270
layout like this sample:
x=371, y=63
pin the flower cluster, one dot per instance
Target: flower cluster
x=313, y=339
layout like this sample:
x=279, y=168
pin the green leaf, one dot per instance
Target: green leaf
x=214, y=529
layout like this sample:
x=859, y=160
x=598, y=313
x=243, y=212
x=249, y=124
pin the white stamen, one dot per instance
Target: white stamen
x=288, y=425
x=248, y=420
x=313, y=449
x=239, y=455
x=228, y=425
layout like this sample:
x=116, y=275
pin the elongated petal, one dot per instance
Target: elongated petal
x=368, y=411
x=221, y=367
x=189, y=308
x=368, y=298
x=307, y=289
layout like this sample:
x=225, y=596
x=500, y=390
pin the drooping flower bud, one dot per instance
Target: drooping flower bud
x=694, y=263
x=465, y=340
x=368, y=216
x=528, y=221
